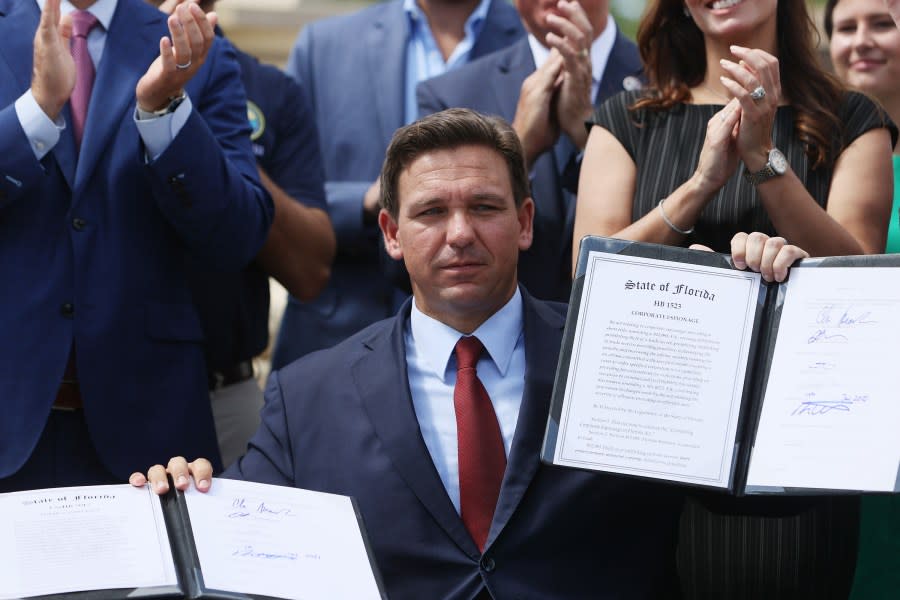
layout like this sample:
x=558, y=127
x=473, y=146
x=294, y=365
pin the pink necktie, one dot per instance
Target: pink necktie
x=82, y=23
x=482, y=457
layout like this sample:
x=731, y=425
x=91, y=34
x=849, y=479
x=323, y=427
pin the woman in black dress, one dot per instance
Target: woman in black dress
x=741, y=130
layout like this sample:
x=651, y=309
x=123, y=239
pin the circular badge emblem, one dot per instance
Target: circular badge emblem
x=257, y=120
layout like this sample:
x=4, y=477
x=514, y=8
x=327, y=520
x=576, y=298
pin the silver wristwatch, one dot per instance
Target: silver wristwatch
x=776, y=165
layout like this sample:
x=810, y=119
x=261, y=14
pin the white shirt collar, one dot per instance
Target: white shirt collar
x=601, y=48
x=435, y=341
x=102, y=9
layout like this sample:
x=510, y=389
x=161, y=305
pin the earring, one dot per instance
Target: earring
x=687, y=13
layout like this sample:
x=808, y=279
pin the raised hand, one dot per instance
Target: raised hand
x=53, y=72
x=756, y=83
x=719, y=156
x=572, y=35
x=534, y=122
x=179, y=58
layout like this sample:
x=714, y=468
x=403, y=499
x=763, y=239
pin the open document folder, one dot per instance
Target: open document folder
x=677, y=367
x=240, y=540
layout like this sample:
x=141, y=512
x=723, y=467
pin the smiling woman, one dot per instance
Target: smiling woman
x=738, y=130
x=865, y=51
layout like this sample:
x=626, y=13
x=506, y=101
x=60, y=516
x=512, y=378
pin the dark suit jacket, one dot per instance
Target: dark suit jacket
x=93, y=248
x=491, y=85
x=353, y=68
x=342, y=421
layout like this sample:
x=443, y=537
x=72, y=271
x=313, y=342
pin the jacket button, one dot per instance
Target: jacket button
x=67, y=310
x=488, y=564
x=78, y=224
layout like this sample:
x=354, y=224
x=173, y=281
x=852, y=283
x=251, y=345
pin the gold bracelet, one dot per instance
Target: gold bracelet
x=671, y=225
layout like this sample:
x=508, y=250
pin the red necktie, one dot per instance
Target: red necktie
x=82, y=23
x=482, y=457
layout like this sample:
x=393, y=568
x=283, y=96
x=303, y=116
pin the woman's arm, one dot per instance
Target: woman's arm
x=608, y=180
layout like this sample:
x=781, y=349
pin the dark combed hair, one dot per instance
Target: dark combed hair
x=446, y=130
x=672, y=49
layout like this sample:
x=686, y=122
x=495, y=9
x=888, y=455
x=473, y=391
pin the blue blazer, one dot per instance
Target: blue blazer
x=491, y=85
x=93, y=248
x=342, y=421
x=353, y=68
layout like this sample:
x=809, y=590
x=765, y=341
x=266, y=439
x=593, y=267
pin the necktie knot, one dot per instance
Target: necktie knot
x=82, y=23
x=468, y=351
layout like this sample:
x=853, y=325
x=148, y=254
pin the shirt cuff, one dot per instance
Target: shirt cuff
x=42, y=133
x=157, y=133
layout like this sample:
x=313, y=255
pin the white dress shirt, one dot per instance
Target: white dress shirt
x=431, y=365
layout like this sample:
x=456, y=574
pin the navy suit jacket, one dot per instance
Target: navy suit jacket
x=93, y=248
x=491, y=85
x=342, y=421
x=353, y=68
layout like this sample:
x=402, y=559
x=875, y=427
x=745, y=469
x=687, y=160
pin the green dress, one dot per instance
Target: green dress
x=878, y=565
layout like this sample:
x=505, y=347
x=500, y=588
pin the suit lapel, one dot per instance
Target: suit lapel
x=516, y=64
x=132, y=43
x=386, y=48
x=623, y=63
x=502, y=27
x=541, y=326
x=383, y=384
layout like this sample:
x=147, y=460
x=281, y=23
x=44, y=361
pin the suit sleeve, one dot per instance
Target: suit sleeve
x=205, y=182
x=269, y=457
x=344, y=198
x=19, y=169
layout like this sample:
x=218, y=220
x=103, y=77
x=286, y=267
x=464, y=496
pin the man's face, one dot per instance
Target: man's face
x=534, y=14
x=459, y=232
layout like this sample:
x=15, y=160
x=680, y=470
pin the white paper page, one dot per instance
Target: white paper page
x=831, y=410
x=82, y=538
x=280, y=541
x=657, y=372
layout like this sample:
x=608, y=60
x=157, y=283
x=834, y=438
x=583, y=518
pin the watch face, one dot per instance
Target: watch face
x=778, y=161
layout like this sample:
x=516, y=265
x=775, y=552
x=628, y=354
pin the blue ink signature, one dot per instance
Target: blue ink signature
x=240, y=510
x=860, y=319
x=823, y=337
x=814, y=407
x=249, y=552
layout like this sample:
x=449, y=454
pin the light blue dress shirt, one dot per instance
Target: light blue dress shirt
x=423, y=57
x=43, y=134
x=431, y=366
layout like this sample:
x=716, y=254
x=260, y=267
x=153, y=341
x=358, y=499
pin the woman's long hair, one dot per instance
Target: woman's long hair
x=673, y=52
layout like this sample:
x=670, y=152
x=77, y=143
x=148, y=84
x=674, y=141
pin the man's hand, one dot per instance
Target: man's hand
x=179, y=58
x=53, y=73
x=181, y=472
x=769, y=256
x=572, y=36
x=534, y=122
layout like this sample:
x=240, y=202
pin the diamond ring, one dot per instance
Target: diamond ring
x=758, y=94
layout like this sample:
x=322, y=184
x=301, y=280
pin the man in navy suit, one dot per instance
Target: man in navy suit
x=360, y=72
x=377, y=417
x=97, y=219
x=581, y=59
x=374, y=417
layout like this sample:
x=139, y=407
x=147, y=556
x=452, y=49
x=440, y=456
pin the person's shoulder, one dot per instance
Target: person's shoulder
x=321, y=362
x=338, y=26
x=860, y=113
